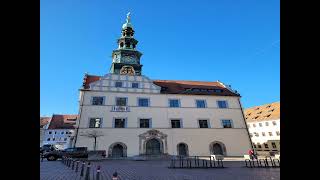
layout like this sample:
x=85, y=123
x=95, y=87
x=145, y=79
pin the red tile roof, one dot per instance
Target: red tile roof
x=44, y=121
x=179, y=87
x=262, y=113
x=193, y=88
x=64, y=121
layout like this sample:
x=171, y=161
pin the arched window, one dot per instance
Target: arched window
x=127, y=44
x=218, y=148
x=182, y=149
x=121, y=44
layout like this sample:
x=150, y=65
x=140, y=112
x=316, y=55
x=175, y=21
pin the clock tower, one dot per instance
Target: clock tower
x=126, y=59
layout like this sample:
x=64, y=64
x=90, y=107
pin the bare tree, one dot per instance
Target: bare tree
x=93, y=134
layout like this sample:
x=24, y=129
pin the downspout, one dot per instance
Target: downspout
x=245, y=123
x=80, y=109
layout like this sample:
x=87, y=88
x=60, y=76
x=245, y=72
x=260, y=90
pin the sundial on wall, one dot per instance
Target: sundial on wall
x=128, y=70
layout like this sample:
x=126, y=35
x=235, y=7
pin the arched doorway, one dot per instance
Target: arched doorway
x=153, y=147
x=218, y=148
x=182, y=149
x=117, y=150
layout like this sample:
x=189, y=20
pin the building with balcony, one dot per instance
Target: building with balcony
x=139, y=116
x=264, y=127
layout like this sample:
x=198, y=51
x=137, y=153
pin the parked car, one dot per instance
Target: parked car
x=47, y=148
x=77, y=152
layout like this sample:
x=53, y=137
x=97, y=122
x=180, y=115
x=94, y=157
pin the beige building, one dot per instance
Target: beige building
x=44, y=121
x=264, y=126
x=139, y=116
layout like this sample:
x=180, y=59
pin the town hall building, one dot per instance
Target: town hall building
x=136, y=116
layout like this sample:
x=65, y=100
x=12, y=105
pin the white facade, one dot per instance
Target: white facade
x=265, y=132
x=235, y=141
x=62, y=138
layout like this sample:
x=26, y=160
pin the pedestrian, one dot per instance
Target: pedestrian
x=251, y=154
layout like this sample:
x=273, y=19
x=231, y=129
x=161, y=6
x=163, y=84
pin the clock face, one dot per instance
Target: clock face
x=129, y=59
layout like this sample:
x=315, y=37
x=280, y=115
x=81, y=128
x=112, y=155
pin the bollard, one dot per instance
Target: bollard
x=115, y=176
x=77, y=166
x=82, y=168
x=98, y=173
x=72, y=164
x=87, y=177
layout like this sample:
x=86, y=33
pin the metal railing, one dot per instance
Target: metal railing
x=267, y=162
x=195, y=162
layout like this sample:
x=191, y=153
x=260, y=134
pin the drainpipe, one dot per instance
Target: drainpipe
x=245, y=123
x=80, y=109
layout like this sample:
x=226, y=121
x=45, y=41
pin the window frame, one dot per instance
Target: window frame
x=205, y=103
x=135, y=83
x=150, y=123
x=138, y=100
x=115, y=84
x=121, y=97
x=208, y=123
x=170, y=99
x=180, y=120
x=103, y=100
x=101, y=122
x=114, y=122
x=231, y=122
x=226, y=103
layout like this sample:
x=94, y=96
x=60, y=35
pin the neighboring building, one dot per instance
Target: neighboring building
x=264, y=126
x=140, y=116
x=60, y=131
x=44, y=121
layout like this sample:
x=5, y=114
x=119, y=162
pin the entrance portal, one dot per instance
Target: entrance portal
x=117, y=151
x=182, y=149
x=153, y=147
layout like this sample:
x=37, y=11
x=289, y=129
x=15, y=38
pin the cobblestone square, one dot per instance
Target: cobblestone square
x=157, y=170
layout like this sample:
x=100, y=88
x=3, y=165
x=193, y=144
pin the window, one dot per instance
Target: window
x=201, y=103
x=273, y=145
x=226, y=124
x=274, y=123
x=55, y=132
x=259, y=112
x=266, y=145
x=144, y=123
x=50, y=132
x=260, y=124
x=175, y=124
x=119, y=123
x=271, y=110
x=256, y=134
x=267, y=123
x=62, y=132
x=263, y=134
x=254, y=145
x=118, y=84
x=65, y=139
x=251, y=135
x=143, y=102
x=53, y=139
x=97, y=100
x=95, y=123
x=174, y=103
x=259, y=145
x=268, y=115
x=270, y=133
x=48, y=139
x=203, y=123
x=135, y=85
x=121, y=101
x=222, y=104
x=254, y=125
x=278, y=133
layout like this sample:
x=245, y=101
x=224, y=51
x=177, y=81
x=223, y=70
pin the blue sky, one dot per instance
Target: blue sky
x=235, y=42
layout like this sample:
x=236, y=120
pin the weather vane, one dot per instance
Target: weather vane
x=128, y=17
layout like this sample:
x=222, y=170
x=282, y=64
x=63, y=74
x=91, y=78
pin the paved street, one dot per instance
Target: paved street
x=157, y=170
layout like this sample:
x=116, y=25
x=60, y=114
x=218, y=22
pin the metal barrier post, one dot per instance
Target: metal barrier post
x=72, y=164
x=98, y=173
x=82, y=168
x=77, y=166
x=87, y=177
